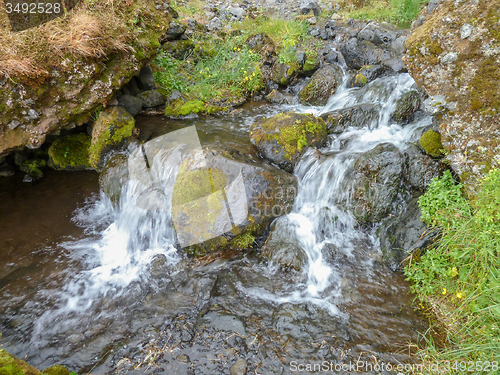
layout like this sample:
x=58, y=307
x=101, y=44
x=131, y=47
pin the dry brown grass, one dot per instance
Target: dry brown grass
x=90, y=30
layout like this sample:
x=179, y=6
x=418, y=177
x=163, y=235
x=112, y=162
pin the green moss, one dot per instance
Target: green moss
x=10, y=365
x=179, y=107
x=430, y=142
x=70, y=152
x=312, y=61
x=360, y=79
x=243, y=241
x=111, y=127
x=192, y=185
x=484, y=91
x=56, y=370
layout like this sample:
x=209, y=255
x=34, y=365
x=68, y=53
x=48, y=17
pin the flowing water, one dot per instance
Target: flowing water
x=100, y=291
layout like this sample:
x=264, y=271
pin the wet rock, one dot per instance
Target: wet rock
x=421, y=168
x=284, y=138
x=277, y=97
x=406, y=106
x=430, y=142
x=311, y=63
x=293, y=320
x=368, y=74
x=282, y=246
x=70, y=152
x=174, y=31
x=307, y=6
x=239, y=367
x=183, y=358
x=400, y=234
x=132, y=104
x=114, y=176
x=224, y=323
x=375, y=184
x=378, y=34
x=151, y=98
x=358, y=53
x=321, y=86
x=112, y=127
x=358, y=116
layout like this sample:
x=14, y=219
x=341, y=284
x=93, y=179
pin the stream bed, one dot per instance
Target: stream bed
x=73, y=291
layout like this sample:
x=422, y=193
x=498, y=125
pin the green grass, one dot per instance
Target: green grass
x=398, y=12
x=459, y=279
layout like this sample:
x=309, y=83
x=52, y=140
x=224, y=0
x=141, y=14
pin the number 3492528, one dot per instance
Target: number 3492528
x=33, y=8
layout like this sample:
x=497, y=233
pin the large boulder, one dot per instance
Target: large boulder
x=406, y=106
x=375, y=184
x=284, y=138
x=459, y=61
x=323, y=84
x=112, y=127
x=218, y=200
x=421, y=168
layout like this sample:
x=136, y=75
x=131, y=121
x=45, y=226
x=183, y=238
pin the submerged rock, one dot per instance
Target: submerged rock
x=114, y=177
x=322, y=85
x=70, y=153
x=376, y=183
x=111, y=128
x=284, y=138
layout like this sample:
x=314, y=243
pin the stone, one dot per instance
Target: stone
x=277, y=97
x=151, y=98
x=112, y=127
x=378, y=34
x=146, y=79
x=239, y=367
x=368, y=74
x=284, y=138
x=358, y=53
x=237, y=12
x=174, y=31
x=430, y=143
x=307, y=6
x=421, y=168
x=396, y=64
x=358, y=116
x=433, y=5
x=283, y=247
x=449, y=58
x=406, y=106
x=114, y=177
x=322, y=85
x=132, y=104
x=466, y=31
x=70, y=152
x=375, y=184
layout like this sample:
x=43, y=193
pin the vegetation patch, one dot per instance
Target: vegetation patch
x=398, y=12
x=458, y=279
x=430, y=142
x=70, y=152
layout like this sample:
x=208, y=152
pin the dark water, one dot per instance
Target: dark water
x=203, y=308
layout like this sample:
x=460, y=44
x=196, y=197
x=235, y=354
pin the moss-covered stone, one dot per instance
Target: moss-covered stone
x=321, y=86
x=33, y=167
x=180, y=107
x=430, y=142
x=113, y=126
x=10, y=365
x=282, y=139
x=70, y=152
x=56, y=370
x=243, y=241
x=179, y=49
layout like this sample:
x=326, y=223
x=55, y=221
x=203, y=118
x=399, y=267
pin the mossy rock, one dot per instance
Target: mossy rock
x=430, y=142
x=10, y=365
x=112, y=127
x=56, y=370
x=283, y=74
x=33, y=167
x=181, y=107
x=322, y=85
x=406, y=106
x=70, y=153
x=311, y=64
x=284, y=138
x=179, y=49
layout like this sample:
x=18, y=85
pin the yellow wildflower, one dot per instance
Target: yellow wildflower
x=444, y=291
x=459, y=295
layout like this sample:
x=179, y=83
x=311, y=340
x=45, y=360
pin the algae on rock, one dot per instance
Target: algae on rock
x=70, y=152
